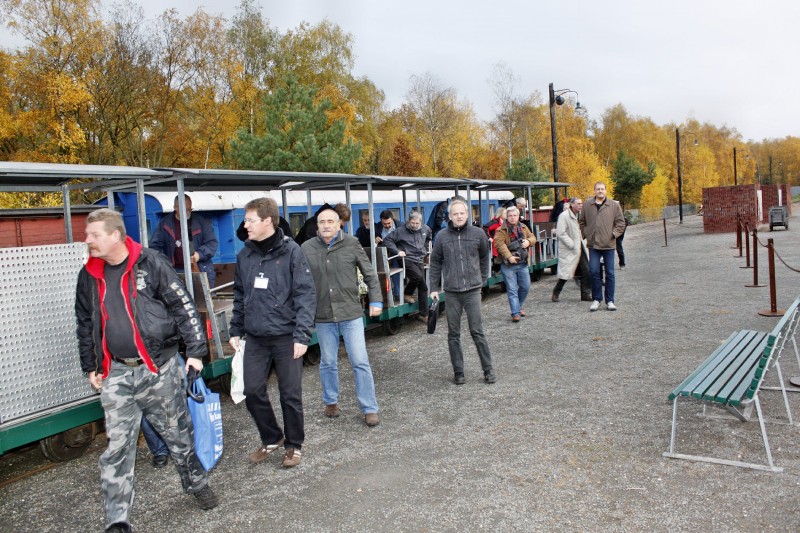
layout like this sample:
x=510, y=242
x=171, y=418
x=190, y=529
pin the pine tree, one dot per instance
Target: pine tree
x=299, y=135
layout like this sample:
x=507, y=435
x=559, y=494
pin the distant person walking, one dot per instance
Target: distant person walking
x=461, y=255
x=273, y=304
x=573, y=257
x=334, y=257
x=513, y=241
x=620, y=250
x=601, y=222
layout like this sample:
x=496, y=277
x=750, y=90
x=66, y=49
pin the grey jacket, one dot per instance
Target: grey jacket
x=334, y=270
x=462, y=256
x=602, y=226
x=413, y=242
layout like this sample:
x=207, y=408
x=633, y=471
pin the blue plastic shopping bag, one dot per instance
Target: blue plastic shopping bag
x=206, y=413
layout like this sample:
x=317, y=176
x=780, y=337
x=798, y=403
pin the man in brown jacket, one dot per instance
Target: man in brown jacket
x=601, y=222
x=514, y=241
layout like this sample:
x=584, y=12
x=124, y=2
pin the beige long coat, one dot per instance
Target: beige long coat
x=568, y=233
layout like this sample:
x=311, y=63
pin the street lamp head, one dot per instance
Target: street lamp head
x=559, y=100
x=696, y=143
x=578, y=106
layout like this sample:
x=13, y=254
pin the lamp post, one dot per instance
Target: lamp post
x=680, y=178
x=735, y=172
x=557, y=98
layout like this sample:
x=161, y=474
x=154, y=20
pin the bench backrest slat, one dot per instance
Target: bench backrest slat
x=737, y=369
x=703, y=378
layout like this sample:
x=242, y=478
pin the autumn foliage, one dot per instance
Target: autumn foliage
x=204, y=91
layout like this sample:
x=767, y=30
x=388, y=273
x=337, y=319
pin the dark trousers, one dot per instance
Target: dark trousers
x=582, y=278
x=455, y=305
x=620, y=251
x=415, y=281
x=259, y=354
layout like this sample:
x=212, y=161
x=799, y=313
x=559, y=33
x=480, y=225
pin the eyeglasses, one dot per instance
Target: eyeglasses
x=252, y=220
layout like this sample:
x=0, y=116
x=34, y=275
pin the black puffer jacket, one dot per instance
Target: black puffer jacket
x=288, y=303
x=162, y=310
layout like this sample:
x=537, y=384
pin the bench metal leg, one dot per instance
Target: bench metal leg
x=699, y=458
x=764, y=434
x=674, y=423
x=783, y=391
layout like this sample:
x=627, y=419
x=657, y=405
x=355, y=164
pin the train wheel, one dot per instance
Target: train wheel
x=69, y=444
x=312, y=355
x=392, y=326
x=225, y=383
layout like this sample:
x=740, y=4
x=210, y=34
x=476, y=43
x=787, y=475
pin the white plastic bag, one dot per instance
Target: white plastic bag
x=237, y=374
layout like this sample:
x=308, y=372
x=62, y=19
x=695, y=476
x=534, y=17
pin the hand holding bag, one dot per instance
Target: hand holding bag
x=206, y=413
x=433, y=314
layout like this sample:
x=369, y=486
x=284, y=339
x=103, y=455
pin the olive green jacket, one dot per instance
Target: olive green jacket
x=334, y=270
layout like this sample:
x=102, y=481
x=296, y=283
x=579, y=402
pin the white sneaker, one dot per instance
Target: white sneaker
x=595, y=306
x=611, y=306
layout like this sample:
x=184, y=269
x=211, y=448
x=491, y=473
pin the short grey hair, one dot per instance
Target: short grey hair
x=415, y=215
x=512, y=208
x=112, y=221
x=459, y=201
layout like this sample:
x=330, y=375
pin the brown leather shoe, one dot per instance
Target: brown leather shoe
x=292, y=457
x=332, y=411
x=522, y=313
x=372, y=419
x=515, y=318
x=264, y=451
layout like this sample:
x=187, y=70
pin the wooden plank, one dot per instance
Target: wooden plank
x=687, y=386
x=718, y=376
x=734, y=390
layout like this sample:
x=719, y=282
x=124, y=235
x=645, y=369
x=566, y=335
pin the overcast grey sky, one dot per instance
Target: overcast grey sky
x=729, y=62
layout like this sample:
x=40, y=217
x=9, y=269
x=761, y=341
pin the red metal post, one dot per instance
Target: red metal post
x=739, y=234
x=755, y=260
x=773, y=293
x=747, y=244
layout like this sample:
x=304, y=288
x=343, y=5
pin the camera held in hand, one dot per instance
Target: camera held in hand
x=516, y=249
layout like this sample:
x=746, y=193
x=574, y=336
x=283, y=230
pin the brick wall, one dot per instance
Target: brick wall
x=721, y=205
x=770, y=198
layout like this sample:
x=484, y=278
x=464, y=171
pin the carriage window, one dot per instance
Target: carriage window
x=476, y=214
x=296, y=221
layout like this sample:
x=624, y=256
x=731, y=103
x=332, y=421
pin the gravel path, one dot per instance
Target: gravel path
x=568, y=439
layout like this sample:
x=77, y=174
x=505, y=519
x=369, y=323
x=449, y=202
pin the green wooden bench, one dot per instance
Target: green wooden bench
x=732, y=377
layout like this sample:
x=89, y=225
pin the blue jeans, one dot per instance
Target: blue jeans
x=352, y=331
x=597, y=280
x=154, y=441
x=518, y=282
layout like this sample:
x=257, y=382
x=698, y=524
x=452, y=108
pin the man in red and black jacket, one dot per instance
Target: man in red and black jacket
x=131, y=309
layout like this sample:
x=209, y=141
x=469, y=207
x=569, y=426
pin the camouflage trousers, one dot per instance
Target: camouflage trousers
x=127, y=394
